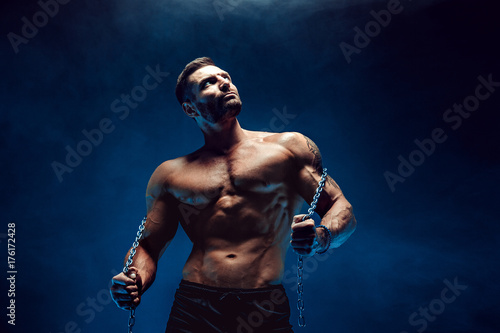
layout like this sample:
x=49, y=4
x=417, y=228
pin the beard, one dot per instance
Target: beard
x=232, y=107
x=220, y=109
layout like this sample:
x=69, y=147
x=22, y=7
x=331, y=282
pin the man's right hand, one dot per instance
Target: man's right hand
x=125, y=291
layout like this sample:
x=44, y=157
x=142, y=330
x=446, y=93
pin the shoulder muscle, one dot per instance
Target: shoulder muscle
x=158, y=183
x=304, y=150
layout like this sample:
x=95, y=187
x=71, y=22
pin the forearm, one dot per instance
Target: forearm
x=341, y=222
x=145, y=265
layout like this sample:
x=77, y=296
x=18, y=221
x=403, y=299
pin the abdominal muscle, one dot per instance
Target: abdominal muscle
x=251, y=264
x=244, y=248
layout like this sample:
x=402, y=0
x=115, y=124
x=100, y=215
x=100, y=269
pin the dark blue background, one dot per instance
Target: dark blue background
x=440, y=223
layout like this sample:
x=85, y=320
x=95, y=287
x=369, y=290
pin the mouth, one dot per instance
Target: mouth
x=229, y=94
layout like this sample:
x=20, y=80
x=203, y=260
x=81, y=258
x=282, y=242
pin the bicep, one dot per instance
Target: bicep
x=310, y=168
x=308, y=184
x=162, y=218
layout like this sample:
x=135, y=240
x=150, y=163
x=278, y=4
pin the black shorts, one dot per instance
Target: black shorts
x=202, y=309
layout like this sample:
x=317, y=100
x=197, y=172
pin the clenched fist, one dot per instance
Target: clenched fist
x=126, y=289
x=306, y=238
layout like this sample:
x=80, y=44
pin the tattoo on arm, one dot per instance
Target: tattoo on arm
x=332, y=182
x=317, y=161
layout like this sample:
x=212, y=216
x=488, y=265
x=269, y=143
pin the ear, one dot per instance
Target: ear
x=189, y=109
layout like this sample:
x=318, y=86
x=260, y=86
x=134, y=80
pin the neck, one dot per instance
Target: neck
x=223, y=136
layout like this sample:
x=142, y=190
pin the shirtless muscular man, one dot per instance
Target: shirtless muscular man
x=242, y=191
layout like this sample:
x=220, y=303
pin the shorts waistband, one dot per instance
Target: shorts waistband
x=219, y=290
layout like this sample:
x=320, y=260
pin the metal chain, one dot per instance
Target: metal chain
x=131, y=320
x=300, y=291
x=300, y=259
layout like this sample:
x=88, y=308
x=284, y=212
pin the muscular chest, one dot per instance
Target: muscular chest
x=253, y=168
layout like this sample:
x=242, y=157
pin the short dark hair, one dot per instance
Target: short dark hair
x=193, y=66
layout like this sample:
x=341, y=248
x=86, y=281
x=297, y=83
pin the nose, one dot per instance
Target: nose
x=224, y=85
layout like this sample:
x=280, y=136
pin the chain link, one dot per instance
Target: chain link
x=300, y=259
x=131, y=319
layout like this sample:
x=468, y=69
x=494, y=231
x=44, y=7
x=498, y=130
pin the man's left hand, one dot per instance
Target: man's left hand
x=305, y=240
